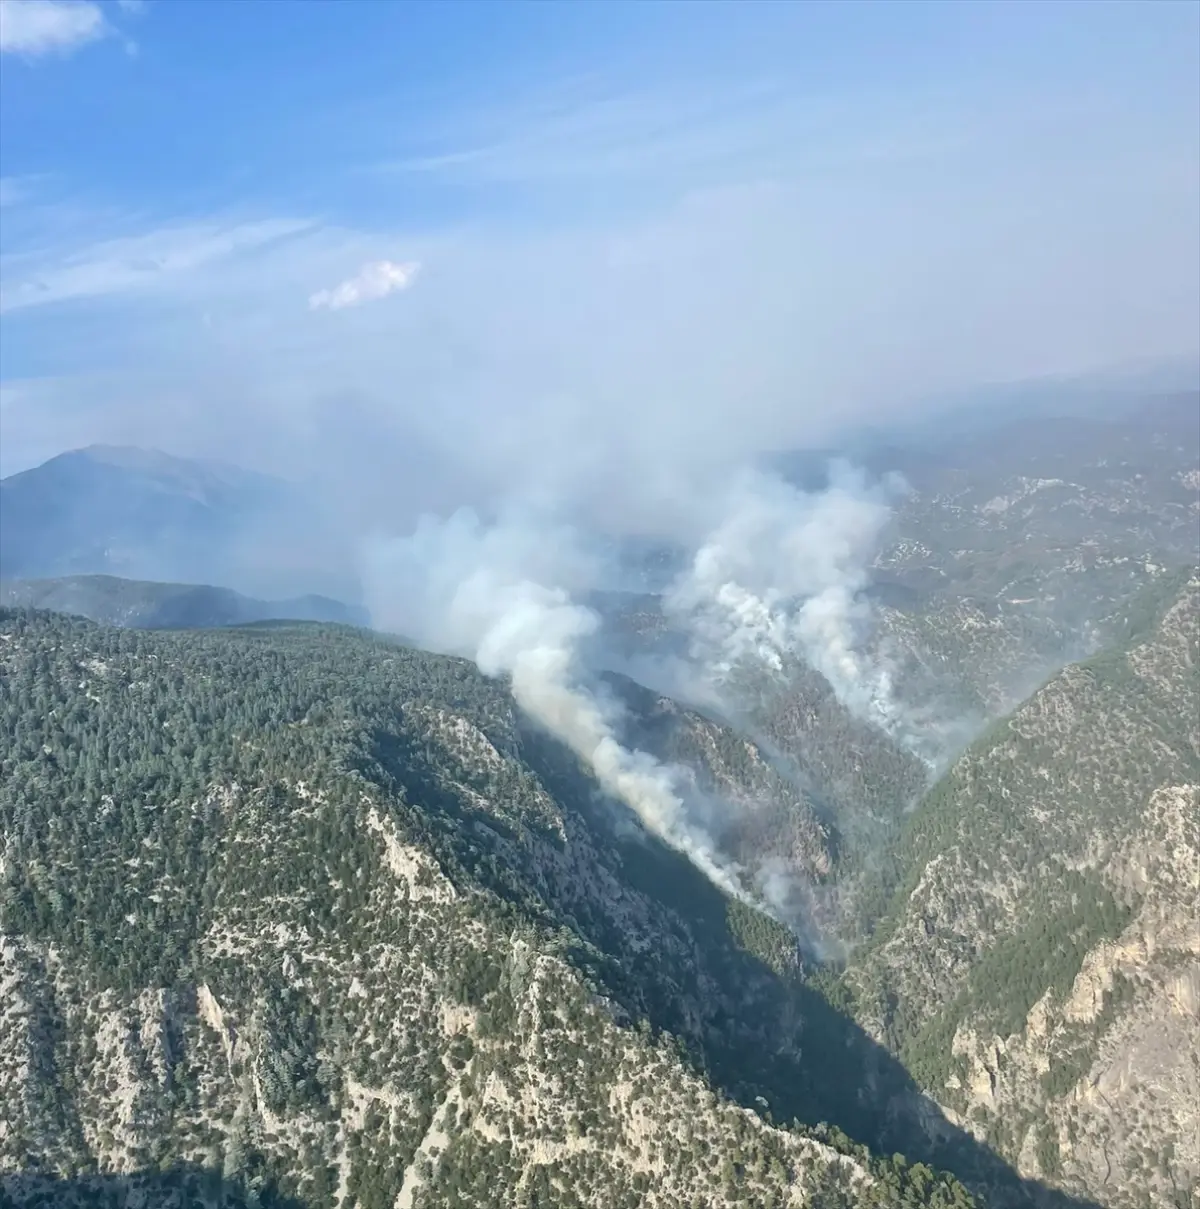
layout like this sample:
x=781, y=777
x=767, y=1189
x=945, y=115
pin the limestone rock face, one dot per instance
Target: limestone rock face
x=1045, y=955
x=305, y=914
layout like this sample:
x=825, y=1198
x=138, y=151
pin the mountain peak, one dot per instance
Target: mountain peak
x=145, y=514
x=130, y=457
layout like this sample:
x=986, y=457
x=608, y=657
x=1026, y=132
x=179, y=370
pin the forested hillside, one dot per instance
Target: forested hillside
x=164, y=606
x=324, y=917
x=298, y=915
x=1038, y=968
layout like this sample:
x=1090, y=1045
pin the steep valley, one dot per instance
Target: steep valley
x=295, y=914
x=322, y=914
x=1038, y=968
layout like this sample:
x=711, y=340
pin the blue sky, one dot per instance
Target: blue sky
x=515, y=240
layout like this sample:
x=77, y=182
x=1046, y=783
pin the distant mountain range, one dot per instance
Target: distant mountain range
x=985, y=444
x=159, y=606
x=146, y=515
x=114, y=510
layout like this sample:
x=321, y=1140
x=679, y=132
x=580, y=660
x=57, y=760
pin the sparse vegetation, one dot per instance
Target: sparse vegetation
x=1041, y=903
x=320, y=914
x=293, y=915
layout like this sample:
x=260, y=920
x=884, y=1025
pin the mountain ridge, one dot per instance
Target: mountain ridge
x=420, y=774
x=143, y=514
x=1043, y=929
x=113, y=600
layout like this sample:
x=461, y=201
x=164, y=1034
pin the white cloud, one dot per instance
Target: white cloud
x=375, y=280
x=616, y=345
x=38, y=27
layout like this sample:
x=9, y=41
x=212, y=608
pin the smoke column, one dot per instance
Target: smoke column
x=465, y=589
x=780, y=576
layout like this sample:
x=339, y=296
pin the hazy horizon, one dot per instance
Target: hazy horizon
x=1114, y=390
x=575, y=257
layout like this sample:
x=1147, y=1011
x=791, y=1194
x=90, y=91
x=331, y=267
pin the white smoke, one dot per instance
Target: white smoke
x=486, y=593
x=778, y=578
x=800, y=905
x=781, y=576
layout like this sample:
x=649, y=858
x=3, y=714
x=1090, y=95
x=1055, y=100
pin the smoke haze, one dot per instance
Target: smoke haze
x=777, y=578
x=466, y=589
x=583, y=293
x=781, y=575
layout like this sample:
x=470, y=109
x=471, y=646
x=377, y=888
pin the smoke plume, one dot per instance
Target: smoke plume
x=778, y=578
x=484, y=592
x=781, y=577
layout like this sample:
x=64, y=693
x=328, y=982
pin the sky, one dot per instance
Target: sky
x=425, y=252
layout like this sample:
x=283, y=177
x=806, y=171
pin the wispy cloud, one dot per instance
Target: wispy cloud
x=372, y=282
x=39, y=27
x=579, y=131
x=15, y=189
x=705, y=131
x=796, y=260
x=129, y=263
